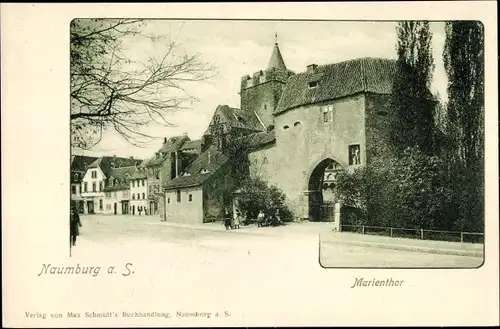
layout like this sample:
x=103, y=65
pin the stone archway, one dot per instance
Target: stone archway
x=321, y=190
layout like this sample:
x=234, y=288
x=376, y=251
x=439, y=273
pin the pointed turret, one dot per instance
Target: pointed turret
x=276, y=61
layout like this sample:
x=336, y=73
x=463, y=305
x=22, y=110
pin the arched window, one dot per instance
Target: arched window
x=296, y=124
x=76, y=177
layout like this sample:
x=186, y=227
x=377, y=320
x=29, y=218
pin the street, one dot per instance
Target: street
x=134, y=234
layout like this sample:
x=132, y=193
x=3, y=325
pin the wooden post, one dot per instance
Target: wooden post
x=391, y=232
x=422, y=233
x=363, y=229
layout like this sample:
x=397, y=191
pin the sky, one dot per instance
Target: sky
x=237, y=48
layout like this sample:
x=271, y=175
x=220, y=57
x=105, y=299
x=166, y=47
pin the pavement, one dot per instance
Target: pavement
x=324, y=230
x=405, y=244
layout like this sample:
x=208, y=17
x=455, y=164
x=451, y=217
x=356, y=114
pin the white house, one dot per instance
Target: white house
x=96, y=179
x=139, y=192
x=79, y=165
x=117, y=191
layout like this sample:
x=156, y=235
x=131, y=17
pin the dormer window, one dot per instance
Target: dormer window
x=76, y=177
x=313, y=84
x=186, y=174
x=285, y=127
x=327, y=113
x=204, y=171
x=111, y=181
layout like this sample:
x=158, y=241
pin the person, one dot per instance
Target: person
x=260, y=218
x=75, y=225
x=277, y=219
x=227, y=219
x=236, y=222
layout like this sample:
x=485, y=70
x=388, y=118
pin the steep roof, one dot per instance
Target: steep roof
x=238, y=118
x=202, y=168
x=172, y=144
x=80, y=162
x=192, y=145
x=276, y=61
x=338, y=80
x=105, y=163
x=259, y=139
x=123, y=175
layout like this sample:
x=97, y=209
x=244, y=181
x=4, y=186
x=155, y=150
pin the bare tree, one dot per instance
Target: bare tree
x=111, y=89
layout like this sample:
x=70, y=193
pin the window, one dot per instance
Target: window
x=354, y=155
x=190, y=197
x=138, y=196
x=114, y=194
x=313, y=84
x=178, y=196
x=143, y=183
x=73, y=189
x=80, y=188
x=93, y=187
x=111, y=182
x=108, y=207
x=100, y=204
x=101, y=186
x=85, y=187
x=168, y=200
x=143, y=195
x=133, y=196
x=76, y=178
x=285, y=127
x=133, y=183
x=94, y=174
x=296, y=124
x=327, y=113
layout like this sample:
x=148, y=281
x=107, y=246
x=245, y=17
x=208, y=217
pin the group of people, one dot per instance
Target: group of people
x=271, y=220
x=234, y=221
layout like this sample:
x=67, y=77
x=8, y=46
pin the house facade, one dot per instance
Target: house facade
x=79, y=164
x=195, y=195
x=96, y=178
x=139, y=192
x=117, y=191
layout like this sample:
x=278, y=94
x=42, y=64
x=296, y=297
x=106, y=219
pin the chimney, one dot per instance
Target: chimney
x=311, y=68
x=165, y=140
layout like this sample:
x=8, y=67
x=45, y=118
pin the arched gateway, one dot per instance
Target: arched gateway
x=321, y=190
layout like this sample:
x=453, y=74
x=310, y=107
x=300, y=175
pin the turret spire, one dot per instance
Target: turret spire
x=276, y=60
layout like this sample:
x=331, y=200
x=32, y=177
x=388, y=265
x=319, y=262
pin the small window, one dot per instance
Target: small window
x=265, y=161
x=73, y=189
x=168, y=200
x=76, y=177
x=313, y=84
x=204, y=171
x=285, y=127
x=101, y=186
x=133, y=196
x=85, y=187
x=190, y=197
x=80, y=189
x=143, y=195
x=327, y=113
x=93, y=187
x=178, y=196
x=94, y=174
x=296, y=124
x=143, y=182
x=133, y=183
x=100, y=204
x=382, y=113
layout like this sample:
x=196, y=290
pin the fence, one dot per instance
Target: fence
x=454, y=236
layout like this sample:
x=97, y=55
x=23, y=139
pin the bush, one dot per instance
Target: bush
x=257, y=195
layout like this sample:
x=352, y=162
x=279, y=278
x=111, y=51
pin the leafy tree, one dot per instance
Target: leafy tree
x=112, y=89
x=463, y=57
x=256, y=195
x=412, y=121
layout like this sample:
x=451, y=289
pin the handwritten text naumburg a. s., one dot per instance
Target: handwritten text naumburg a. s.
x=49, y=269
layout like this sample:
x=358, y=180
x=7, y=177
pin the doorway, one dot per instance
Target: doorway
x=321, y=190
x=90, y=207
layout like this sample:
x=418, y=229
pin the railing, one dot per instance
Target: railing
x=422, y=234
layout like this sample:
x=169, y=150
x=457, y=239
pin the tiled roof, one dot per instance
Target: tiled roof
x=105, y=163
x=259, y=139
x=211, y=160
x=196, y=145
x=237, y=118
x=123, y=174
x=338, y=80
x=172, y=144
x=80, y=162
